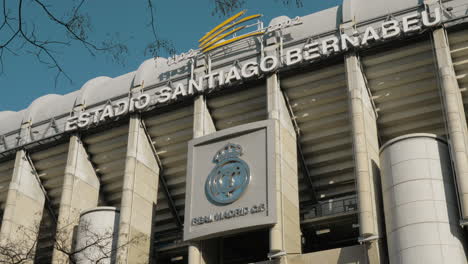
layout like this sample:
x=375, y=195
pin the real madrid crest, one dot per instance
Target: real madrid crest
x=229, y=179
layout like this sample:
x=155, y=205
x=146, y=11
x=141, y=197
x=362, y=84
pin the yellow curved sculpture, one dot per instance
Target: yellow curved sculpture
x=214, y=38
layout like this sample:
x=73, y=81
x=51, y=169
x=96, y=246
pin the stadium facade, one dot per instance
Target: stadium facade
x=337, y=137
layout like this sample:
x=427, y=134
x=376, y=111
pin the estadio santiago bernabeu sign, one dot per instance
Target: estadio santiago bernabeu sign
x=163, y=93
x=230, y=181
x=315, y=50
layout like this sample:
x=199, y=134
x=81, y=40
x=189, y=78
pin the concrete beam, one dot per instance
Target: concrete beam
x=455, y=117
x=366, y=158
x=24, y=207
x=285, y=235
x=80, y=191
x=139, y=197
x=202, y=252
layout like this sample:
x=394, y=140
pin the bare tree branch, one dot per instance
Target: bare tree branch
x=76, y=27
x=18, y=34
x=226, y=7
x=158, y=44
x=97, y=247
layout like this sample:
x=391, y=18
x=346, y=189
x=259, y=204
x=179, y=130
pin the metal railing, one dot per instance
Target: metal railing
x=329, y=208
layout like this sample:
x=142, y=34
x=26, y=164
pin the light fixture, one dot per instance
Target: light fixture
x=367, y=239
x=274, y=255
x=323, y=231
x=179, y=258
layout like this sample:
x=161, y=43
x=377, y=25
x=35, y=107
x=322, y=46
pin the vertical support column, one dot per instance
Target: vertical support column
x=139, y=197
x=366, y=159
x=201, y=252
x=285, y=235
x=80, y=192
x=202, y=122
x=23, y=209
x=455, y=118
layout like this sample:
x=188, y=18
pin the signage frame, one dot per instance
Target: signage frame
x=242, y=224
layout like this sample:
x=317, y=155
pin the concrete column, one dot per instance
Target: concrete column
x=80, y=192
x=285, y=235
x=420, y=206
x=139, y=197
x=24, y=207
x=201, y=252
x=202, y=122
x=455, y=118
x=366, y=159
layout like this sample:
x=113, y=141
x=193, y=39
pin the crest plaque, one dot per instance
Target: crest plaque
x=229, y=178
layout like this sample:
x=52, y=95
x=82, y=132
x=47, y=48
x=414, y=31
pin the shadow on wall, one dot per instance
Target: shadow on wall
x=339, y=16
x=356, y=254
x=347, y=255
x=452, y=212
x=383, y=249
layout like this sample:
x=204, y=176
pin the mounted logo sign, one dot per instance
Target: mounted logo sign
x=229, y=179
x=237, y=192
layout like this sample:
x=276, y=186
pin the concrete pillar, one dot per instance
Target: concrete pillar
x=23, y=209
x=202, y=122
x=366, y=159
x=200, y=252
x=419, y=200
x=285, y=235
x=455, y=118
x=98, y=228
x=80, y=192
x=139, y=197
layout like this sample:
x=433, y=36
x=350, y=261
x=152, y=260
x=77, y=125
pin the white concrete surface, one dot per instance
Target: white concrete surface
x=97, y=235
x=419, y=201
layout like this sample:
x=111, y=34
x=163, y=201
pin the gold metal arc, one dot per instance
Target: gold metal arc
x=228, y=27
x=221, y=37
x=227, y=21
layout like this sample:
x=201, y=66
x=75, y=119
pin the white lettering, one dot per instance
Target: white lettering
x=198, y=86
x=131, y=108
x=311, y=51
x=122, y=108
x=330, y=44
x=293, y=56
x=253, y=69
x=264, y=67
x=108, y=112
x=179, y=90
x=233, y=75
x=369, y=35
x=145, y=98
x=345, y=40
x=210, y=78
x=84, y=120
x=221, y=78
x=95, y=114
x=165, y=95
x=71, y=123
x=426, y=19
x=411, y=23
x=390, y=29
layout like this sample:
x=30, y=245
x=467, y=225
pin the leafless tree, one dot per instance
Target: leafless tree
x=20, y=35
x=96, y=248
x=227, y=7
x=20, y=250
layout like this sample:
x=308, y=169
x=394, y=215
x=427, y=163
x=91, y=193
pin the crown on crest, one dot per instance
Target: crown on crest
x=228, y=151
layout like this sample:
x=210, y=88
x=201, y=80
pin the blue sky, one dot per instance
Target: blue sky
x=181, y=21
